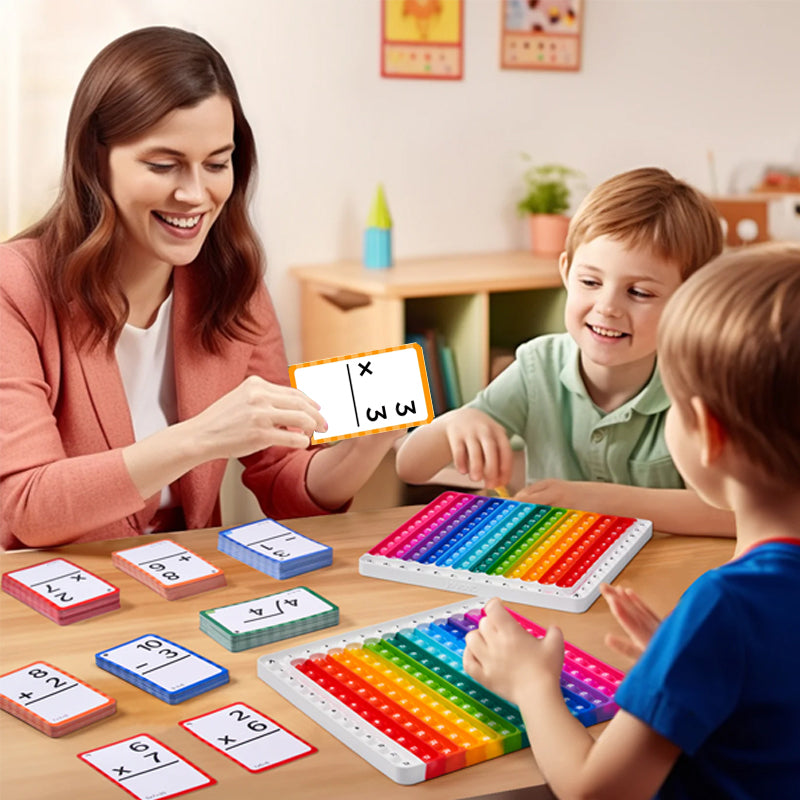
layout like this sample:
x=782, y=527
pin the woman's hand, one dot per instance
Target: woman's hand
x=637, y=619
x=255, y=415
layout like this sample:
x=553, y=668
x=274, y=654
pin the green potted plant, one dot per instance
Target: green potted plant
x=547, y=197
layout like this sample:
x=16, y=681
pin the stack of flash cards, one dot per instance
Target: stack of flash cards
x=273, y=548
x=61, y=591
x=52, y=701
x=164, y=669
x=253, y=623
x=169, y=569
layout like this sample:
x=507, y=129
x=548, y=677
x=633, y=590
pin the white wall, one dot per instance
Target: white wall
x=662, y=82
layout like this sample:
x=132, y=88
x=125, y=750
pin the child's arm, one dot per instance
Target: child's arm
x=629, y=759
x=670, y=510
x=475, y=444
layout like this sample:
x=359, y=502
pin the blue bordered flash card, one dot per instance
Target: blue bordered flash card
x=164, y=669
x=274, y=549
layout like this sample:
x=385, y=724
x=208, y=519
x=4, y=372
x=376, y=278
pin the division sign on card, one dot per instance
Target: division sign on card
x=380, y=390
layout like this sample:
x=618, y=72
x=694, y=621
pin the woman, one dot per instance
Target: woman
x=141, y=349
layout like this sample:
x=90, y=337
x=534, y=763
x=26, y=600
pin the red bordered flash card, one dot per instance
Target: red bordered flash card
x=51, y=700
x=248, y=737
x=146, y=768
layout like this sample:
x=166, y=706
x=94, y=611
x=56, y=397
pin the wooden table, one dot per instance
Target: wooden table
x=35, y=766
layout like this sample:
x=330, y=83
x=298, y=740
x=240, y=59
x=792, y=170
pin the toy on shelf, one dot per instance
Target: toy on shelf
x=397, y=694
x=378, y=235
x=521, y=552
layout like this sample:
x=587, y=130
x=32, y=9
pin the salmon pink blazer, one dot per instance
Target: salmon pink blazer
x=64, y=418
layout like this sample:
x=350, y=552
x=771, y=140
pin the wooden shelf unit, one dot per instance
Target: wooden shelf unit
x=476, y=301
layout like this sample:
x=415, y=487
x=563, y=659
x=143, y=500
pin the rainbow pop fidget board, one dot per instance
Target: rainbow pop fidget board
x=397, y=694
x=521, y=552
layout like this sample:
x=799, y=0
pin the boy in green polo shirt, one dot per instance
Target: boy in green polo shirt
x=589, y=403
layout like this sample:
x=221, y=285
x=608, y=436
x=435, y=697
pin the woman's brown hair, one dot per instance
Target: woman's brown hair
x=129, y=86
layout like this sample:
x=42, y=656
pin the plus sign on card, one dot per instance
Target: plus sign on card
x=381, y=390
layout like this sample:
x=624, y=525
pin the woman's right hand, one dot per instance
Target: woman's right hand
x=255, y=415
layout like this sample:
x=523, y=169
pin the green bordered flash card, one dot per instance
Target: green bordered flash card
x=263, y=620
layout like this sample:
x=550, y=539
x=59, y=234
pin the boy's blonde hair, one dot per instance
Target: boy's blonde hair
x=731, y=336
x=647, y=206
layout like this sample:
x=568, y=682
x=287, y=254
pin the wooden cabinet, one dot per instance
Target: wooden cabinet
x=476, y=301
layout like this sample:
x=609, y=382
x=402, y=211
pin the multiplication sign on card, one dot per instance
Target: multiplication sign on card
x=368, y=392
x=146, y=768
x=248, y=737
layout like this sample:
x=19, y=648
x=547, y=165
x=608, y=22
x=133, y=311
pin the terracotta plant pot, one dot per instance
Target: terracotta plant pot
x=548, y=233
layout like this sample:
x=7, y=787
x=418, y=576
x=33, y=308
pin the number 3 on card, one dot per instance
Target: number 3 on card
x=381, y=390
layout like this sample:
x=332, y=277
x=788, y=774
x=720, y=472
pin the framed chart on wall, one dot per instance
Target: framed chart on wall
x=422, y=39
x=541, y=34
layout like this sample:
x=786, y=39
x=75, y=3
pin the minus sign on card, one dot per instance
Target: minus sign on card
x=167, y=664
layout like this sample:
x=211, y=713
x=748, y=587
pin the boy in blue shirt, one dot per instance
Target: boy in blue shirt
x=711, y=708
x=589, y=404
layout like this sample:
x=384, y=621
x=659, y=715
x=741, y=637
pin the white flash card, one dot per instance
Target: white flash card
x=266, y=537
x=165, y=669
x=167, y=562
x=52, y=701
x=368, y=392
x=248, y=737
x=169, y=569
x=62, y=583
x=283, y=608
x=146, y=768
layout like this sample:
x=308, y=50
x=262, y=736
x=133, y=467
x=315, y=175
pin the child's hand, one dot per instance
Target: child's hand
x=565, y=494
x=636, y=618
x=508, y=660
x=479, y=446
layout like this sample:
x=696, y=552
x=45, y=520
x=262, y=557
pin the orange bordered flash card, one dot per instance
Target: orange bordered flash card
x=381, y=390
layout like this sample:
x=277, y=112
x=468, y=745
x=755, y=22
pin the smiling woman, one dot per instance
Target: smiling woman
x=141, y=347
x=169, y=186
